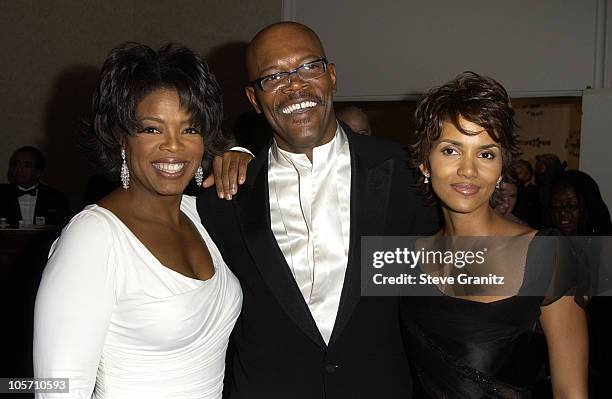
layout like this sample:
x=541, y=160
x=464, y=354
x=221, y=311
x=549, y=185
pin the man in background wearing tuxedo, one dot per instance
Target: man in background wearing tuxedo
x=25, y=198
x=292, y=235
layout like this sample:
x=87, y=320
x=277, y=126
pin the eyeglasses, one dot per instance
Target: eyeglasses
x=280, y=80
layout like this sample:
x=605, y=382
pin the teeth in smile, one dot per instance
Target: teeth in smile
x=294, y=107
x=169, y=167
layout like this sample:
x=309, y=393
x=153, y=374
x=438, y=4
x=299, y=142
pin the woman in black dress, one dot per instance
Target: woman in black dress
x=483, y=344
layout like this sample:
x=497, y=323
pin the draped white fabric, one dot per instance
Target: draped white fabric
x=119, y=324
x=310, y=217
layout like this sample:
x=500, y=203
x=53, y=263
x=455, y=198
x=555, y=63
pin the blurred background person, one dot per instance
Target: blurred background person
x=577, y=209
x=547, y=168
x=505, y=198
x=28, y=203
x=355, y=118
x=527, y=204
x=576, y=205
x=523, y=171
x=25, y=198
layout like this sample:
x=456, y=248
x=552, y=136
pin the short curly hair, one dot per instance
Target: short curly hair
x=478, y=99
x=131, y=72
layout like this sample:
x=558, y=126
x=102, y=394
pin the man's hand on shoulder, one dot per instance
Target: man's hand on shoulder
x=229, y=171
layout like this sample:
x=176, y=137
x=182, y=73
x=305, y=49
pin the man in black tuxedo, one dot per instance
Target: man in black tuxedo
x=25, y=198
x=292, y=237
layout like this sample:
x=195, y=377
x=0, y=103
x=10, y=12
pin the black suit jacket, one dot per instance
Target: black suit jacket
x=276, y=350
x=50, y=203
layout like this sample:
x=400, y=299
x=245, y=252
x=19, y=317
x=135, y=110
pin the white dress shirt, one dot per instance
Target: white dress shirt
x=310, y=217
x=27, y=204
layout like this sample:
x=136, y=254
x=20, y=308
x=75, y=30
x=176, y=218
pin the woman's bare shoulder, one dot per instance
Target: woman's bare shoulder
x=507, y=227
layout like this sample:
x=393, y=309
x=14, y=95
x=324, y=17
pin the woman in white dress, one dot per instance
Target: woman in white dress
x=135, y=300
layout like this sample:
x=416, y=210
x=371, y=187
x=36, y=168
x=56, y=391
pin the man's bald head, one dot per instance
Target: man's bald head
x=355, y=118
x=278, y=34
x=300, y=109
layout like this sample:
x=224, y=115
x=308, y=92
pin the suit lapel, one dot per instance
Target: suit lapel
x=253, y=209
x=40, y=205
x=370, y=189
x=15, y=205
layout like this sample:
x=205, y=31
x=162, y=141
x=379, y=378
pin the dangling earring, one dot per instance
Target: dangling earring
x=125, y=172
x=498, y=184
x=426, y=178
x=199, y=176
